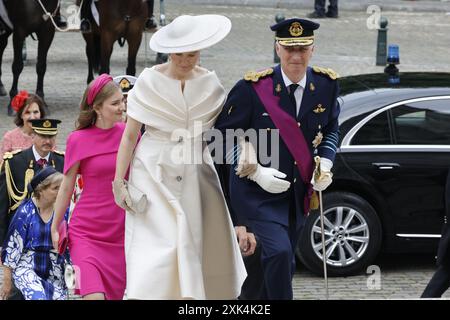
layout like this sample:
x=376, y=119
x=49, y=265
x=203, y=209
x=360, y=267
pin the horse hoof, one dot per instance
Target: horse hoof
x=150, y=24
x=2, y=91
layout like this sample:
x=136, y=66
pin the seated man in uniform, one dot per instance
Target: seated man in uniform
x=20, y=166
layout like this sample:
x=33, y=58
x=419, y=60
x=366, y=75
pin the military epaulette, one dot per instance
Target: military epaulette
x=254, y=76
x=61, y=153
x=8, y=155
x=327, y=71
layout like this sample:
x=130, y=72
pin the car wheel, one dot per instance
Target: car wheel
x=352, y=236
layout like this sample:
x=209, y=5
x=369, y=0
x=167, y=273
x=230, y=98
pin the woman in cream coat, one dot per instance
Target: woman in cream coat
x=181, y=244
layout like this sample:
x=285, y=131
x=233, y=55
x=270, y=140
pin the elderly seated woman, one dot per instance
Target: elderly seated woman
x=30, y=261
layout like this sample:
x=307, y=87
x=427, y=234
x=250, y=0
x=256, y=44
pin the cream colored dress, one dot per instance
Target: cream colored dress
x=184, y=246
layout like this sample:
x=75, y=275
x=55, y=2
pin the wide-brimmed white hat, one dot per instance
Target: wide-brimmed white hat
x=190, y=33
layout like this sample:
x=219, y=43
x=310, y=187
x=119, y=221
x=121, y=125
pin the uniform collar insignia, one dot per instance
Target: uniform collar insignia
x=278, y=88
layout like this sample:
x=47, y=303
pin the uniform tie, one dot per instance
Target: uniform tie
x=292, y=88
x=42, y=162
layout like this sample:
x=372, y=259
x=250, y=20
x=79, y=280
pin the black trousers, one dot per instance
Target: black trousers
x=271, y=268
x=319, y=7
x=438, y=284
x=253, y=287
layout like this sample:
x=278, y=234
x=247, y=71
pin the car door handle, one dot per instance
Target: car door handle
x=385, y=165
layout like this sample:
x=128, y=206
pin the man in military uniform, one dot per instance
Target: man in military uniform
x=273, y=200
x=20, y=166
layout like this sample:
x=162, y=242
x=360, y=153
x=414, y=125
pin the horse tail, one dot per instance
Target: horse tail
x=97, y=52
x=122, y=40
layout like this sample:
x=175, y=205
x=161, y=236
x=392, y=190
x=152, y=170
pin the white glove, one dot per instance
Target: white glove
x=321, y=181
x=268, y=179
x=247, y=162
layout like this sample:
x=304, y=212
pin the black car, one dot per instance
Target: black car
x=389, y=175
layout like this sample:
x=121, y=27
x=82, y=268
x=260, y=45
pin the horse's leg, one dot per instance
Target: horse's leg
x=107, y=42
x=90, y=54
x=134, y=43
x=45, y=37
x=3, y=43
x=17, y=65
x=97, y=53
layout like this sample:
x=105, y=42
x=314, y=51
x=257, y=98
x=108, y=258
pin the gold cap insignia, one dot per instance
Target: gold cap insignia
x=296, y=29
x=124, y=83
x=319, y=109
x=47, y=124
x=278, y=88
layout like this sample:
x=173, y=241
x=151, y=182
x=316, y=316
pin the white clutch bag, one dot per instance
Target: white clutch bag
x=138, y=199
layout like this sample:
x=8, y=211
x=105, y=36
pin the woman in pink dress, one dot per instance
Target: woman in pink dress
x=97, y=225
x=27, y=107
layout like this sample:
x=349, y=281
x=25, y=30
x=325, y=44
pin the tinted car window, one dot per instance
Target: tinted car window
x=375, y=131
x=426, y=122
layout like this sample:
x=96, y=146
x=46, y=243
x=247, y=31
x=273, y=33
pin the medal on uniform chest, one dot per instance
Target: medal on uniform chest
x=318, y=138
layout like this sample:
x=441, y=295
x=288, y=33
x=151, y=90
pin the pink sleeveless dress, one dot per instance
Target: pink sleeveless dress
x=97, y=226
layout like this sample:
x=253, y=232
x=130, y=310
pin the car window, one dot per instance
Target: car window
x=425, y=122
x=374, y=132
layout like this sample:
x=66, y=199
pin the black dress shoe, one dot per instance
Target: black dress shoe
x=85, y=26
x=60, y=21
x=315, y=15
x=331, y=15
x=150, y=23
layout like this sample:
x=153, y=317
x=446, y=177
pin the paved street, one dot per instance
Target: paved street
x=345, y=44
x=401, y=277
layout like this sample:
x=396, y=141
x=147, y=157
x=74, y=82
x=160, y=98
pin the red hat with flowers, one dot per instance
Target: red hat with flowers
x=18, y=102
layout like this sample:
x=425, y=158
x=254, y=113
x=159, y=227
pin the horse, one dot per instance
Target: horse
x=27, y=17
x=119, y=21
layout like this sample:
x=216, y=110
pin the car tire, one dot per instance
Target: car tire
x=354, y=241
